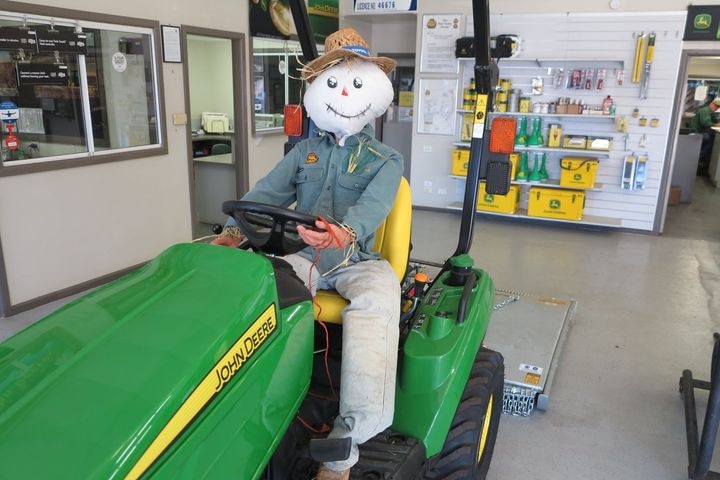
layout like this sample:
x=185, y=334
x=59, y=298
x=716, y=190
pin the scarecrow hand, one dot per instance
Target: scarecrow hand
x=329, y=235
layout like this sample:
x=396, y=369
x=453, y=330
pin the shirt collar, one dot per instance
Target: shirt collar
x=367, y=131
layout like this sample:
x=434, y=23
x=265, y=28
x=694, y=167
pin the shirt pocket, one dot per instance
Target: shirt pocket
x=350, y=188
x=356, y=183
x=308, y=175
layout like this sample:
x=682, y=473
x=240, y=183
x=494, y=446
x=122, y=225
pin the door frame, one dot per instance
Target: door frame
x=680, y=91
x=240, y=135
x=379, y=121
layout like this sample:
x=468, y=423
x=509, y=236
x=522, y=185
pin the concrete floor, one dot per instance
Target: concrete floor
x=647, y=308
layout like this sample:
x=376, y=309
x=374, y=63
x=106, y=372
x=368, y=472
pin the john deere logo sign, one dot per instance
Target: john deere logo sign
x=577, y=177
x=554, y=204
x=489, y=197
x=702, y=21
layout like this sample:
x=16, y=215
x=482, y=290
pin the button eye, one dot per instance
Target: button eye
x=357, y=82
x=332, y=82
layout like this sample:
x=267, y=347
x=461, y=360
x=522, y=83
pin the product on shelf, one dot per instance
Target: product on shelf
x=608, y=106
x=536, y=139
x=521, y=138
x=514, y=158
x=599, y=143
x=460, y=160
x=554, y=135
x=523, y=170
x=578, y=142
x=543, y=168
x=466, y=130
x=578, y=172
x=556, y=203
x=498, y=203
x=535, y=172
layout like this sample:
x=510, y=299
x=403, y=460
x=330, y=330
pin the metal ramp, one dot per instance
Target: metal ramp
x=529, y=331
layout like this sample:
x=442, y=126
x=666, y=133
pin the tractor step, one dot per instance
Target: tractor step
x=389, y=455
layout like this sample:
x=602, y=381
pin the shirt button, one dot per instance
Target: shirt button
x=328, y=188
x=357, y=185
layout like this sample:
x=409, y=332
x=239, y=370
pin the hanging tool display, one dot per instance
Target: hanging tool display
x=639, y=56
x=640, y=168
x=628, y=175
x=649, y=54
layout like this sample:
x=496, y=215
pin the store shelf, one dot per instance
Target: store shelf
x=556, y=62
x=522, y=214
x=552, y=183
x=553, y=115
x=575, y=151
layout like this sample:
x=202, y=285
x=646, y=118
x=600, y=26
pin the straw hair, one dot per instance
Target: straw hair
x=337, y=46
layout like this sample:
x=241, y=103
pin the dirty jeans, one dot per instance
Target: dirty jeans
x=369, y=350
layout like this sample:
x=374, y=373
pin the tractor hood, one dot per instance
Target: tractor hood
x=81, y=391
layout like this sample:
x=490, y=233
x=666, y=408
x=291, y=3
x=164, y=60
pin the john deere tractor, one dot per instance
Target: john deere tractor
x=208, y=362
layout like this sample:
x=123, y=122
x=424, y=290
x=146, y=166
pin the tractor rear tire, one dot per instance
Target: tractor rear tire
x=470, y=442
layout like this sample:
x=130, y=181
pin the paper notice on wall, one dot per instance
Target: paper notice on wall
x=437, y=102
x=701, y=93
x=437, y=54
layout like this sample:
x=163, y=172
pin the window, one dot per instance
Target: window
x=276, y=80
x=72, y=89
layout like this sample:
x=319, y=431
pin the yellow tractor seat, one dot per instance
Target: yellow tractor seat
x=392, y=241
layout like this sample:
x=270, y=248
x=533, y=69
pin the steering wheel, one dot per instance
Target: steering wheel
x=268, y=228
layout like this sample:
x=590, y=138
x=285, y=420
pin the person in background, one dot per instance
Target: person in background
x=702, y=122
x=349, y=180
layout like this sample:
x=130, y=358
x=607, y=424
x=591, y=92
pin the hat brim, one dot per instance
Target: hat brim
x=320, y=64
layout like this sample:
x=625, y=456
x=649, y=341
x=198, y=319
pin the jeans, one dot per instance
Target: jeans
x=369, y=350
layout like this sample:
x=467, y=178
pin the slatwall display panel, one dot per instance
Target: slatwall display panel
x=607, y=41
x=578, y=41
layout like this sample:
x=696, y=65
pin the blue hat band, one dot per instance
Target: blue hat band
x=359, y=49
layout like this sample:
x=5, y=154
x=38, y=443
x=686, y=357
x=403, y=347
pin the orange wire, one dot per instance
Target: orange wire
x=322, y=324
x=324, y=429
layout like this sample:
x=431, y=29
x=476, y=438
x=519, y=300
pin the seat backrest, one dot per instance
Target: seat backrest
x=392, y=241
x=392, y=238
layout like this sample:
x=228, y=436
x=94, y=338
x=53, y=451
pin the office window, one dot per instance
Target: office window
x=73, y=89
x=276, y=80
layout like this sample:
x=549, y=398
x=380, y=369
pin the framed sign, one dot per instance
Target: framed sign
x=702, y=23
x=171, y=44
x=439, y=33
x=437, y=106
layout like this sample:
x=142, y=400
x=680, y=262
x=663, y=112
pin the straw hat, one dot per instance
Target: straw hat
x=344, y=44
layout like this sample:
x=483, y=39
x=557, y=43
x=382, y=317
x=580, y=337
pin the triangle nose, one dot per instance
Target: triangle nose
x=344, y=92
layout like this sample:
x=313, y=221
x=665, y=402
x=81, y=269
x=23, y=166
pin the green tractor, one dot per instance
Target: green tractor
x=208, y=363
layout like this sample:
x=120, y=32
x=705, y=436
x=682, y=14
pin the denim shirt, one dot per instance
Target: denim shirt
x=354, y=184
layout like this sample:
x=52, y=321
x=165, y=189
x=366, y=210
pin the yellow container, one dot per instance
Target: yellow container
x=556, y=203
x=554, y=135
x=575, y=141
x=460, y=160
x=514, y=162
x=498, y=203
x=578, y=172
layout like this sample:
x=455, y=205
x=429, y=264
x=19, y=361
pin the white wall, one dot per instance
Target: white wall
x=62, y=228
x=210, y=76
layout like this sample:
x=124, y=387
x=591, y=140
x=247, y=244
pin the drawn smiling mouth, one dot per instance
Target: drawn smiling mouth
x=357, y=115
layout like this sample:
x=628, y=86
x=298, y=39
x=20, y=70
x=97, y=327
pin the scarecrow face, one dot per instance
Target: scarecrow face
x=347, y=96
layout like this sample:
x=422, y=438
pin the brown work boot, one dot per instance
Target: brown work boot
x=324, y=473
